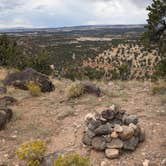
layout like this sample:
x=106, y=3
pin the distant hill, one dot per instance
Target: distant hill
x=73, y=28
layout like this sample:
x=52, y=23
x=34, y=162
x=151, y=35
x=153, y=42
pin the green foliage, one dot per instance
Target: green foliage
x=12, y=55
x=156, y=32
x=161, y=68
x=74, y=90
x=93, y=73
x=33, y=88
x=71, y=159
x=33, y=163
x=32, y=152
x=41, y=62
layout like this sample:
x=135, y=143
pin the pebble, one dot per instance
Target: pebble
x=112, y=153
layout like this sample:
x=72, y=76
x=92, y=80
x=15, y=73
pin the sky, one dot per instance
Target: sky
x=60, y=13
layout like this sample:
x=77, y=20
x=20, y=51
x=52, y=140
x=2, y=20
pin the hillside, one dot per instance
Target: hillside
x=60, y=122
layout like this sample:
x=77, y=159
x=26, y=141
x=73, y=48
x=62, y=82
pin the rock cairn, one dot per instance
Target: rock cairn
x=112, y=131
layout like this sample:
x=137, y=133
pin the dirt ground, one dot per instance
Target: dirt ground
x=60, y=123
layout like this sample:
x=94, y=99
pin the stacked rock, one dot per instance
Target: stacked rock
x=112, y=131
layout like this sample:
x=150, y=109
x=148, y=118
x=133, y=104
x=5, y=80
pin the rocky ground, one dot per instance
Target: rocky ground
x=60, y=122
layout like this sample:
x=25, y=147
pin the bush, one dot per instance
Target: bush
x=34, y=88
x=72, y=159
x=74, y=90
x=32, y=152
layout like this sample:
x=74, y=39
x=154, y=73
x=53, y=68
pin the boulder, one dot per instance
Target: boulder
x=127, y=133
x=131, y=144
x=5, y=116
x=99, y=143
x=91, y=88
x=20, y=79
x=115, y=144
x=7, y=101
x=112, y=153
x=114, y=134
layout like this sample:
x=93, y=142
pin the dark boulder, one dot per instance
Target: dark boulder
x=7, y=101
x=20, y=79
x=5, y=116
x=86, y=139
x=91, y=88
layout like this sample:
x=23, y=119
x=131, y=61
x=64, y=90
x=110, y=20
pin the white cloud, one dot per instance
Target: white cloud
x=52, y=13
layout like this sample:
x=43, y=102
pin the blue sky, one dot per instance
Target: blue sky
x=59, y=13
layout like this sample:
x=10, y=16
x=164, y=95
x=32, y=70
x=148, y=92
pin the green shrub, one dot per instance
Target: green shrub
x=33, y=163
x=74, y=90
x=72, y=159
x=32, y=152
x=33, y=88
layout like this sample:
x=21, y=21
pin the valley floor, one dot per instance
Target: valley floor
x=60, y=122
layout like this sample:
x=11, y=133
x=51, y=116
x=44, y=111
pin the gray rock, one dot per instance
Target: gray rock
x=108, y=114
x=5, y=116
x=141, y=135
x=99, y=143
x=115, y=144
x=131, y=144
x=103, y=129
x=90, y=133
x=91, y=88
x=86, y=139
x=93, y=124
x=112, y=153
x=7, y=101
x=131, y=119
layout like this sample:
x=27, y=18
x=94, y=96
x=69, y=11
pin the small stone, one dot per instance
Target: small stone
x=108, y=138
x=127, y=133
x=99, y=143
x=112, y=153
x=142, y=135
x=114, y=134
x=93, y=124
x=90, y=133
x=131, y=143
x=163, y=162
x=86, y=139
x=146, y=163
x=115, y=144
x=118, y=128
x=103, y=130
x=131, y=119
x=105, y=163
x=108, y=114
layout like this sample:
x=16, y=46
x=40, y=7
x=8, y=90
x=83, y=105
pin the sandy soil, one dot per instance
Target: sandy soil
x=60, y=122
